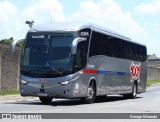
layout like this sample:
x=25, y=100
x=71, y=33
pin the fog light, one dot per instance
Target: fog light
x=66, y=91
x=24, y=82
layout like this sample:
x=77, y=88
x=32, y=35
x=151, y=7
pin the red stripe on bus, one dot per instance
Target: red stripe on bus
x=90, y=71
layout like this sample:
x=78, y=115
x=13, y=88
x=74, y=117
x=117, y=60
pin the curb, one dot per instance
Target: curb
x=20, y=100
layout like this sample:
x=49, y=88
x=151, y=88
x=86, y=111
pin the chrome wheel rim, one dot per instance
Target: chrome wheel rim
x=90, y=92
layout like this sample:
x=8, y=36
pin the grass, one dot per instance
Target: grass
x=10, y=92
x=151, y=82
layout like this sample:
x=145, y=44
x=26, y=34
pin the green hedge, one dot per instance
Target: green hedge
x=9, y=41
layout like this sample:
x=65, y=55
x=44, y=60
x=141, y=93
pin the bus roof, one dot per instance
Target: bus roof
x=75, y=26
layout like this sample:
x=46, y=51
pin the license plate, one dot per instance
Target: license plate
x=42, y=94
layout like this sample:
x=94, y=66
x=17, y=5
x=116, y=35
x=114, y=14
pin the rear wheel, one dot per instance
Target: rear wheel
x=133, y=94
x=134, y=91
x=46, y=100
x=91, y=94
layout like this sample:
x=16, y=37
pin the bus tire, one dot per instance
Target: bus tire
x=46, y=100
x=91, y=94
x=133, y=94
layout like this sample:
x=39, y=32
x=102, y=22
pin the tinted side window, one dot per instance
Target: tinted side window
x=96, y=45
x=106, y=45
x=102, y=44
x=117, y=48
x=134, y=51
x=142, y=53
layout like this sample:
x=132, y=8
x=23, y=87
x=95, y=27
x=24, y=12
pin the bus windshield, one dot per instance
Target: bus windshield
x=47, y=55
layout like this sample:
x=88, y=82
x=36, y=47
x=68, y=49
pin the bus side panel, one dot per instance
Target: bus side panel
x=113, y=75
x=110, y=75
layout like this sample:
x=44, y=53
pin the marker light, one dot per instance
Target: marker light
x=77, y=86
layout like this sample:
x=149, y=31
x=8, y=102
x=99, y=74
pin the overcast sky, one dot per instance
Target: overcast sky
x=136, y=19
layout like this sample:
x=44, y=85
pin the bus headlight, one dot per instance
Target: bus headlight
x=24, y=82
x=64, y=83
x=69, y=81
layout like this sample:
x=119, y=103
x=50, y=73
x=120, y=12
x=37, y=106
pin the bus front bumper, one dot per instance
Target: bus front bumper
x=72, y=90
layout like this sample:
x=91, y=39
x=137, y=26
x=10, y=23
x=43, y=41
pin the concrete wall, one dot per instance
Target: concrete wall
x=9, y=68
x=153, y=73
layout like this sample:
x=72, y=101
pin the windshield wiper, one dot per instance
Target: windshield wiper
x=51, y=68
x=57, y=70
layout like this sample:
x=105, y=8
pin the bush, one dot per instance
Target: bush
x=6, y=41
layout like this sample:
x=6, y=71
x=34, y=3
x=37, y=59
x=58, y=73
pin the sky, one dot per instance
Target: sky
x=136, y=19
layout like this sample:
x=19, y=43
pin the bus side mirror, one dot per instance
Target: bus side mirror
x=13, y=45
x=75, y=44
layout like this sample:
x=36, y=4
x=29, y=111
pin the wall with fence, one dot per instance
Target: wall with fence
x=9, y=68
x=153, y=73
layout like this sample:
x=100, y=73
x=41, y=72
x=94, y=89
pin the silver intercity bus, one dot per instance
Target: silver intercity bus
x=81, y=60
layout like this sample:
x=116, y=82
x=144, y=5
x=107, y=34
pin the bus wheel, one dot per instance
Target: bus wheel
x=46, y=100
x=134, y=91
x=91, y=94
x=133, y=94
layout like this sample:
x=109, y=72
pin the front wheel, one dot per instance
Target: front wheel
x=91, y=94
x=46, y=100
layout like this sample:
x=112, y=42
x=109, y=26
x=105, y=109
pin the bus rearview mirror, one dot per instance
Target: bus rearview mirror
x=75, y=44
x=13, y=45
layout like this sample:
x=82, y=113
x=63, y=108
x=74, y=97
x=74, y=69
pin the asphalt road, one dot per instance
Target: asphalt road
x=145, y=102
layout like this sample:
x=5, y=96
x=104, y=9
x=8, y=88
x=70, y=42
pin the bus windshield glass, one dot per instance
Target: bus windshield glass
x=46, y=55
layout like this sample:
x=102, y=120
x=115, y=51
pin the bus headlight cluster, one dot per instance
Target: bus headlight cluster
x=69, y=81
x=24, y=82
x=64, y=83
